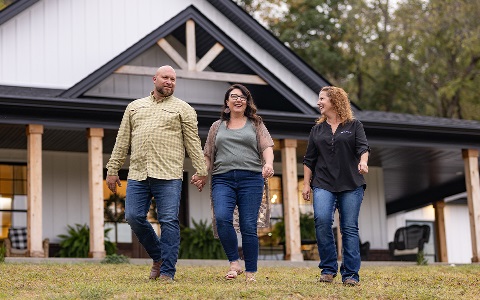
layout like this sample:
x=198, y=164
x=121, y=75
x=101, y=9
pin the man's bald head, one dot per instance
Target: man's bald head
x=164, y=69
x=164, y=81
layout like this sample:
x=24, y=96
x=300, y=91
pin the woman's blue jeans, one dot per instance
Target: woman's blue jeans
x=245, y=190
x=167, y=198
x=348, y=204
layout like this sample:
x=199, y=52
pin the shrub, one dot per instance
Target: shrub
x=116, y=259
x=421, y=260
x=307, y=228
x=198, y=242
x=77, y=242
x=3, y=250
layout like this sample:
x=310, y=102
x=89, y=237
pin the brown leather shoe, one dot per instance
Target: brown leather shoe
x=155, y=271
x=165, y=279
x=350, y=282
x=326, y=278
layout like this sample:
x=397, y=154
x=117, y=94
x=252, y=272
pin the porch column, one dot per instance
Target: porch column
x=293, y=244
x=472, y=182
x=34, y=191
x=440, y=236
x=95, y=183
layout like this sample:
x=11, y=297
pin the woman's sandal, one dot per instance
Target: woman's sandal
x=233, y=273
x=250, y=277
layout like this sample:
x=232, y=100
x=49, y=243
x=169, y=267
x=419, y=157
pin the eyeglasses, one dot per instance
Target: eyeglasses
x=235, y=97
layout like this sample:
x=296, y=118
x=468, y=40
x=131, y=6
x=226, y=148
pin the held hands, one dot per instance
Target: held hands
x=362, y=168
x=198, y=181
x=112, y=182
x=267, y=171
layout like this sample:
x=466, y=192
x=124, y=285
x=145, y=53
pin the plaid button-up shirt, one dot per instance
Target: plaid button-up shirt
x=158, y=132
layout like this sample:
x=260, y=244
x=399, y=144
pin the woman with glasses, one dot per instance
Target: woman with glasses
x=334, y=164
x=239, y=155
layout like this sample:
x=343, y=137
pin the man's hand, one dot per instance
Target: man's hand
x=112, y=182
x=198, y=181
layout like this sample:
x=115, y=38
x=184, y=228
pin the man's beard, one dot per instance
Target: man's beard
x=165, y=93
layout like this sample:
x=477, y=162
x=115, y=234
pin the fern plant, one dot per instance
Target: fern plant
x=198, y=242
x=77, y=242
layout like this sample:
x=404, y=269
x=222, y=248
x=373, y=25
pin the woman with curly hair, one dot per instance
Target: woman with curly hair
x=239, y=156
x=335, y=161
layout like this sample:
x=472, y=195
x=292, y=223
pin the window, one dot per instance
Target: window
x=114, y=212
x=276, y=199
x=13, y=197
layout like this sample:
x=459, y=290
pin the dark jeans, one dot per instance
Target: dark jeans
x=244, y=189
x=167, y=197
x=348, y=204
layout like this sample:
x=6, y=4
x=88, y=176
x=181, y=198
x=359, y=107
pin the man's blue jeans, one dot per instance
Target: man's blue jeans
x=244, y=189
x=167, y=198
x=348, y=204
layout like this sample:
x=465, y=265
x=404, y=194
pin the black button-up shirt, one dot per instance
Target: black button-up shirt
x=334, y=158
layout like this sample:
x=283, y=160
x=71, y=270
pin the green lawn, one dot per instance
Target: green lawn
x=130, y=281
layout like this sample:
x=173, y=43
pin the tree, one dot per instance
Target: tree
x=447, y=55
x=312, y=28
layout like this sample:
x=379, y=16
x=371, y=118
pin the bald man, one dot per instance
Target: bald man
x=157, y=130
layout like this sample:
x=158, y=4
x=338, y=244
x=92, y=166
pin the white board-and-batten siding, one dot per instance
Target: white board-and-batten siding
x=372, y=220
x=57, y=43
x=457, y=230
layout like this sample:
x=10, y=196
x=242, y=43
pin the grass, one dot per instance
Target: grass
x=129, y=281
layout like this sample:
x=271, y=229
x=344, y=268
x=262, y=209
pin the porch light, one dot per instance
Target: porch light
x=274, y=198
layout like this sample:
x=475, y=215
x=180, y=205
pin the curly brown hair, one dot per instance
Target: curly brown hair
x=250, y=111
x=340, y=103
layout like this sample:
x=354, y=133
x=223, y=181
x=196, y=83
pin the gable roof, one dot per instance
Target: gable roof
x=209, y=30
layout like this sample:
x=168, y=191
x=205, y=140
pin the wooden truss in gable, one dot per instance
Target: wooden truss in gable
x=190, y=68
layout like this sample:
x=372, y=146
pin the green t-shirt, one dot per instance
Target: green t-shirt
x=237, y=149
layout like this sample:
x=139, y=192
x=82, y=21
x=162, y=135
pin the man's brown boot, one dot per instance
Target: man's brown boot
x=155, y=271
x=326, y=278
